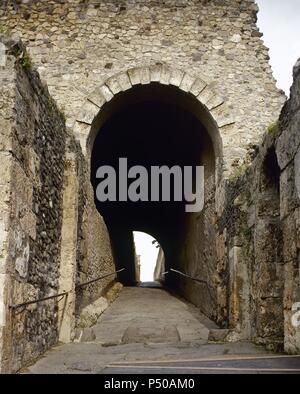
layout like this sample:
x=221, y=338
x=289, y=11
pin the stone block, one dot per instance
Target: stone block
x=124, y=81
x=214, y=102
x=106, y=92
x=218, y=335
x=3, y=300
x=88, y=113
x=113, y=85
x=288, y=142
x=22, y=262
x=165, y=75
x=187, y=83
x=135, y=76
x=222, y=116
x=82, y=129
x=22, y=192
x=295, y=90
x=267, y=237
x=3, y=56
x=291, y=300
x=113, y=292
x=289, y=199
x=5, y=168
x=155, y=71
x=162, y=334
x=289, y=238
x=239, y=292
x=251, y=216
x=206, y=95
x=176, y=77
x=6, y=135
x=297, y=173
x=145, y=76
x=297, y=221
x=87, y=335
x=197, y=87
x=91, y=313
x=100, y=96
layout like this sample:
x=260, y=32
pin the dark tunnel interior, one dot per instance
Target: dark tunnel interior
x=148, y=131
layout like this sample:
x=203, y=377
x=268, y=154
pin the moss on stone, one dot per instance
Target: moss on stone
x=4, y=29
x=26, y=61
x=239, y=172
x=274, y=128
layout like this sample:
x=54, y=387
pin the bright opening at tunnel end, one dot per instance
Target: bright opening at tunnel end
x=147, y=249
x=185, y=180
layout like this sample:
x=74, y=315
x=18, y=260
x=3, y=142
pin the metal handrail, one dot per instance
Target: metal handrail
x=191, y=277
x=16, y=306
x=25, y=304
x=209, y=287
x=97, y=279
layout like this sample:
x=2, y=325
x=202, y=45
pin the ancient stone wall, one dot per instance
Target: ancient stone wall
x=86, y=250
x=198, y=258
x=43, y=186
x=7, y=99
x=77, y=46
x=260, y=230
x=52, y=236
x=32, y=167
x=95, y=255
x=288, y=153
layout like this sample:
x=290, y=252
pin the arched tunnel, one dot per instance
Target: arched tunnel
x=156, y=125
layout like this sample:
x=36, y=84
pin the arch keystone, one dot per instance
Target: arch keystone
x=135, y=76
x=165, y=75
x=155, y=72
x=145, y=76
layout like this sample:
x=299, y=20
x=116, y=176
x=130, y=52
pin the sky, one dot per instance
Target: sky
x=279, y=21
x=148, y=253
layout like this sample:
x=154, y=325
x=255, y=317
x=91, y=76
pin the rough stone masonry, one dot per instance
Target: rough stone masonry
x=93, y=55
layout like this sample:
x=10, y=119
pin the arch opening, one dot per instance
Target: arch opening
x=147, y=250
x=155, y=125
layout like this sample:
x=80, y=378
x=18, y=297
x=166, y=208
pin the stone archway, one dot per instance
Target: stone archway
x=218, y=116
x=196, y=97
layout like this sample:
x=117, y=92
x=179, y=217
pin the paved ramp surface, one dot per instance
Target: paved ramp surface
x=150, y=315
x=147, y=330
